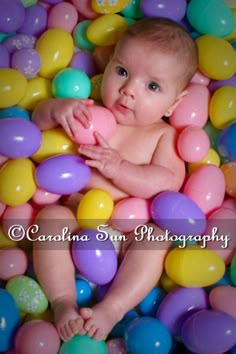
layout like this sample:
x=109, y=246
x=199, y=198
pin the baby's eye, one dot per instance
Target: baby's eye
x=153, y=86
x=121, y=71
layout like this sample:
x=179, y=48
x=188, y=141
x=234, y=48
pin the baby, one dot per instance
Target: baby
x=144, y=81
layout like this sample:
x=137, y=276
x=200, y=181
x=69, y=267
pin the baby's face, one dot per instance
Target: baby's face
x=140, y=83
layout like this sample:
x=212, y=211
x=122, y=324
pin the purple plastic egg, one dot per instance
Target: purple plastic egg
x=215, y=84
x=209, y=332
x=19, y=41
x=172, y=9
x=19, y=138
x=4, y=57
x=35, y=22
x=180, y=304
x=27, y=61
x=62, y=174
x=85, y=62
x=177, y=213
x=96, y=260
x=12, y=15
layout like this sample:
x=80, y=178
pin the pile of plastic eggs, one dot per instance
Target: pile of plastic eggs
x=56, y=48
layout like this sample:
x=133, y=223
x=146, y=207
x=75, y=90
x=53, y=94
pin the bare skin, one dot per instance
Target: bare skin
x=139, y=160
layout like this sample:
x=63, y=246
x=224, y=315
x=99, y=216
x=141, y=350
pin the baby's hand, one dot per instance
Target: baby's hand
x=103, y=157
x=67, y=111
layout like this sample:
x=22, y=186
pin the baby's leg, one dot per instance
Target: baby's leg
x=55, y=270
x=138, y=273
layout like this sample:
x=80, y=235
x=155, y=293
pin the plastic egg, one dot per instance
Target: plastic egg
x=222, y=108
x=193, y=110
x=35, y=22
x=14, y=111
x=217, y=57
x=17, y=184
x=223, y=299
x=199, y=78
x=2, y=208
x=103, y=121
x=194, y=266
x=232, y=36
x=83, y=344
x=211, y=17
x=199, y=187
x=85, y=62
x=95, y=260
x=19, y=138
x=212, y=158
x=55, y=47
x=62, y=174
x=226, y=142
x=84, y=8
x=128, y=213
x=209, y=331
x=145, y=335
x=215, y=84
x=106, y=7
x=5, y=240
x=54, y=142
x=12, y=87
x=80, y=36
x=177, y=213
x=37, y=89
x=152, y=301
x=37, y=336
x=71, y=83
x=95, y=208
x=133, y=10
x=233, y=270
x=27, y=293
x=174, y=10
x=221, y=228
x=10, y=319
x=212, y=133
x=106, y=29
x=27, y=61
x=229, y=171
x=193, y=144
x=42, y=197
x=19, y=41
x=116, y=346
x=180, y=304
x=4, y=57
x=13, y=261
x=96, y=82
x=12, y=15
x=63, y=15
x=84, y=293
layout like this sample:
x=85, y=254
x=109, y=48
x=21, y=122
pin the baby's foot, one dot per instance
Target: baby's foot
x=99, y=320
x=67, y=320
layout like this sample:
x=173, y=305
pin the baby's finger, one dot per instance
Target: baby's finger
x=102, y=142
x=94, y=152
x=87, y=101
x=94, y=163
x=84, y=120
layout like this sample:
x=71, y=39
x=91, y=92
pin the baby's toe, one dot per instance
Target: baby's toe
x=86, y=312
x=68, y=331
x=88, y=325
x=99, y=335
x=92, y=331
x=73, y=326
x=80, y=326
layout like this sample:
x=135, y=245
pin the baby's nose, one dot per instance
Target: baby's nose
x=128, y=90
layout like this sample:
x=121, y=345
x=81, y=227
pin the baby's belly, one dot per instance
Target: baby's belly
x=98, y=181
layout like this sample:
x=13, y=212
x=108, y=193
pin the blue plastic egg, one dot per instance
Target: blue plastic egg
x=226, y=142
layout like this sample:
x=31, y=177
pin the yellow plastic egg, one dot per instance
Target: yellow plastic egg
x=94, y=209
x=17, y=184
x=108, y=7
x=222, y=109
x=211, y=158
x=54, y=142
x=5, y=241
x=12, y=87
x=96, y=82
x=167, y=283
x=55, y=47
x=106, y=29
x=194, y=266
x=37, y=89
x=217, y=57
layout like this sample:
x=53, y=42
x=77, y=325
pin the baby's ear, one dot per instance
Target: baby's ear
x=176, y=103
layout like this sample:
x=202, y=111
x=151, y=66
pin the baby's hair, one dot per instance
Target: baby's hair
x=170, y=38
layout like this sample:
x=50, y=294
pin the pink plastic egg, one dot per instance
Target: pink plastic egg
x=63, y=15
x=206, y=187
x=42, y=197
x=223, y=222
x=103, y=121
x=129, y=213
x=116, y=346
x=193, y=144
x=37, y=336
x=193, y=109
x=200, y=78
x=13, y=261
x=229, y=203
x=2, y=208
x=84, y=7
x=223, y=299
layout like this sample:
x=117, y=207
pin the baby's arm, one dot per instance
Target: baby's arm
x=165, y=172
x=52, y=112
